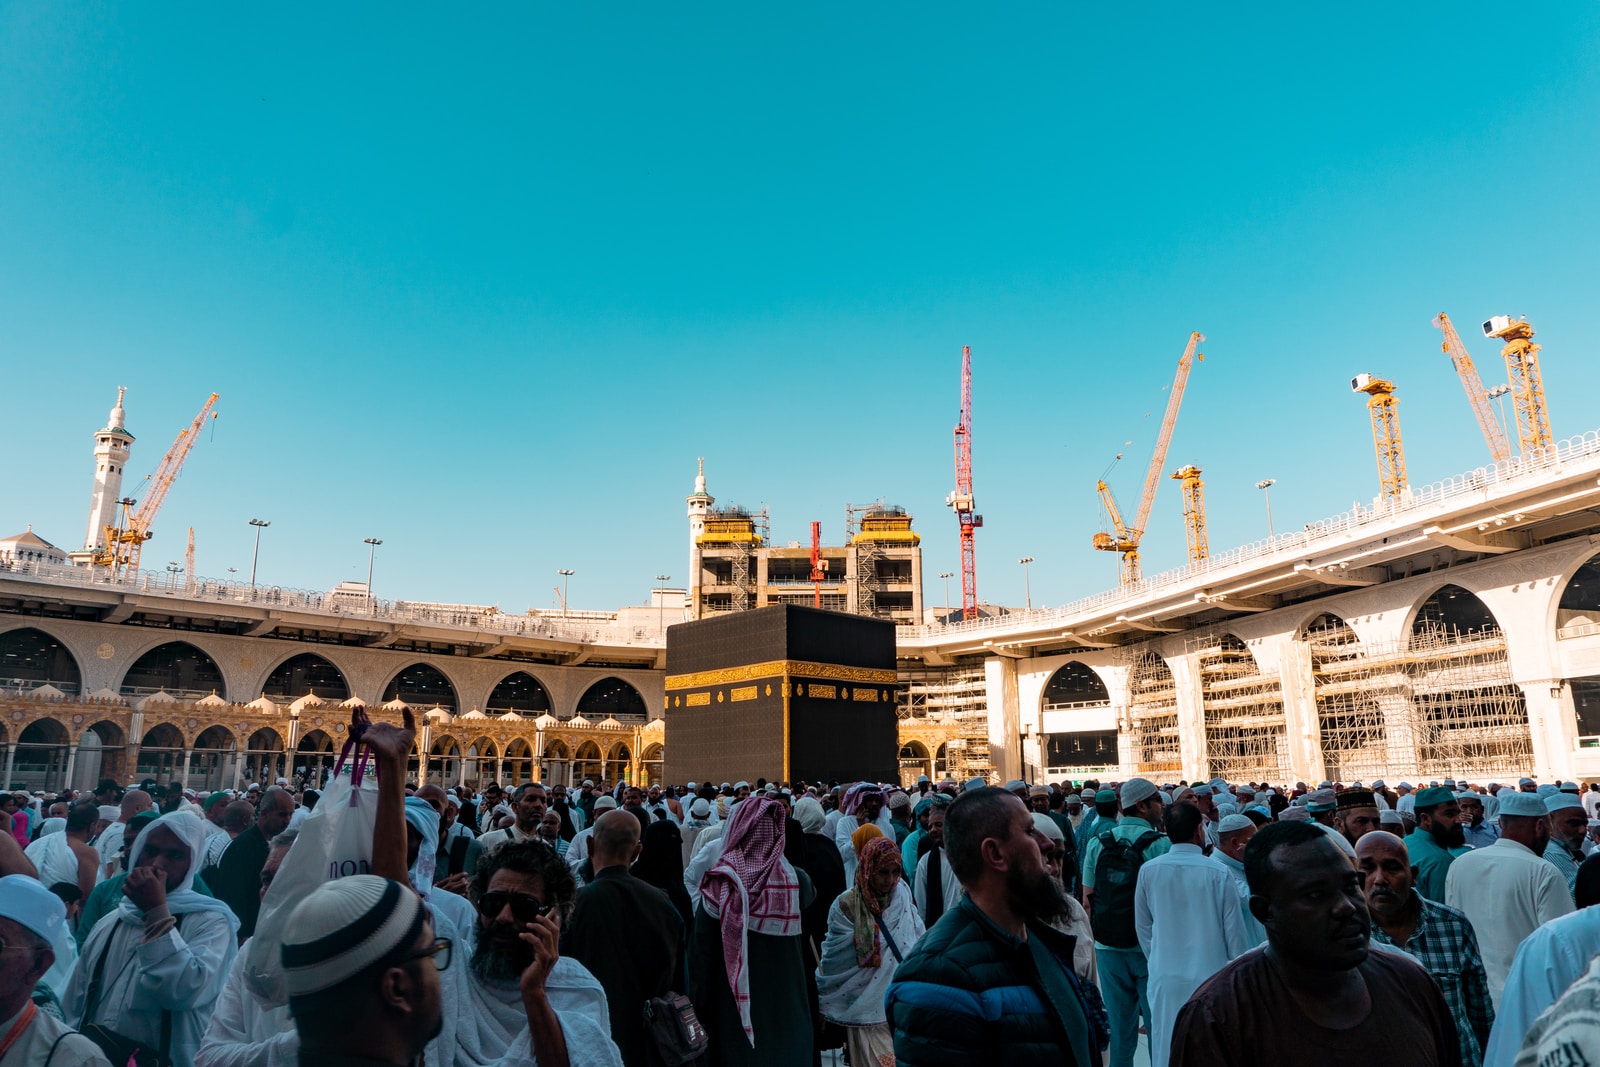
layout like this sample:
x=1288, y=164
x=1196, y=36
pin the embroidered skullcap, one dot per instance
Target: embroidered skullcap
x=605, y=803
x=1345, y=799
x=1525, y=805
x=1136, y=790
x=343, y=927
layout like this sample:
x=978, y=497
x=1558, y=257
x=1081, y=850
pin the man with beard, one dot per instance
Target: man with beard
x=1190, y=919
x=1111, y=865
x=363, y=970
x=1435, y=935
x=627, y=934
x=934, y=885
x=1355, y=813
x=1316, y=993
x=522, y=1001
x=1437, y=840
x=1568, y=824
x=993, y=983
x=863, y=805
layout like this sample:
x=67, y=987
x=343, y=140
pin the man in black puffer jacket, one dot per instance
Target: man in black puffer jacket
x=991, y=983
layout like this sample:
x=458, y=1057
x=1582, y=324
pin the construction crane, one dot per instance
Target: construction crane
x=1124, y=538
x=960, y=501
x=188, y=562
x=1527, y=385
x=1194, y=511
x=819, y=566
x=1384, y=408
x=125, y=541
x=1493, y=433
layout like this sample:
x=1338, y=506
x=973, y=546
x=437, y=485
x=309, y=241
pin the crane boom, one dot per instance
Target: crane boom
x=1125, y=539
x=125, y=544
x=1493, y=434
x=960, y=501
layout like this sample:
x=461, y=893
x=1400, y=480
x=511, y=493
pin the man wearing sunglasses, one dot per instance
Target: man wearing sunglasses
x=518, y=993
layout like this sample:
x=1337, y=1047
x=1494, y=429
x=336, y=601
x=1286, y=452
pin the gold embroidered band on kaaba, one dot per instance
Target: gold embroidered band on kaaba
x=779, y=668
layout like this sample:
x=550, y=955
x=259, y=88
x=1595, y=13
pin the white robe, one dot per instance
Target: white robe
x=1253, y=929
x=109, y=845
x=848, y=825
x=947, y=879
x=182, y=971
x=492, y=1028
x=852, y=995
x=53, y=856
x=1190, y=920
x=1550, y=959
x=1507, y=893
x=705, y=857
x=243, y=1033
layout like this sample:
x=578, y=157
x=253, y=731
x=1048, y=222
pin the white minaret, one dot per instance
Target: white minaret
x=111, y=446
x=700, y=503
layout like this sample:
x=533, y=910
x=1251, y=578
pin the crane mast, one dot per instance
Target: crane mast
x=125, y=541
x=1493, y=434
x=819, y=566
x=960, y=501
x=1527, y=384
x=1384, y=407
x=1123, y=538
x=1194, y=511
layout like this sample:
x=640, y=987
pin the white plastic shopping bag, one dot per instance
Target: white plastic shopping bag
x=335, y=841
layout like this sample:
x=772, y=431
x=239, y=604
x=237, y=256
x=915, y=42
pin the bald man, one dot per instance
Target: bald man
x=239, y=872
x=626, y=932
x=109, y=843
x=1437, y=936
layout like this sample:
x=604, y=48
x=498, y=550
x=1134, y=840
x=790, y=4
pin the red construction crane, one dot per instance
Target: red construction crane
x=960, y=501
x=819, y=566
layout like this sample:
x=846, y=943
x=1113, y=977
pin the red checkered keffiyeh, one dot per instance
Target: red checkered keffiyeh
x=752, y=887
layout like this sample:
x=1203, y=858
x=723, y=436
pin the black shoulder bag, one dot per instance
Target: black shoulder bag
x=675, y=1028
x=118, y=1049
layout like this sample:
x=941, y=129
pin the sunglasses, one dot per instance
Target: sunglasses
x=524, y=908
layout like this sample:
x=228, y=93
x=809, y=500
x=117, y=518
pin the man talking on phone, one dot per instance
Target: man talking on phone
x=527, y=1000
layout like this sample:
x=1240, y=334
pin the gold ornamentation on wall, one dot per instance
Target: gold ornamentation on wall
x=745, y=692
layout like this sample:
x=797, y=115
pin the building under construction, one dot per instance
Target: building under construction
x=733, y=565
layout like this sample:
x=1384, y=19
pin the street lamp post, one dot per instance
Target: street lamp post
x=259, y=524
x=661, y=600
x=174, y=568
x=1027, y=585
x=565, y=574
x=946, y=575
x=372, y=544
x=1265, y=485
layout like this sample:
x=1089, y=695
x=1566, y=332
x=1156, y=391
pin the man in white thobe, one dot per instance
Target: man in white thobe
x=1508, y=890
x=863, y=804
x=1190, y=919
x=1550, y=960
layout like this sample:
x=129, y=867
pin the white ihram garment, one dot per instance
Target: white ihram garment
x=1507, y=893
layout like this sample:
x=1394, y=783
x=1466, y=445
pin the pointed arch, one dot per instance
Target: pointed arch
x=160, y=754
x=1451, y=611
x=40, y=757
x=520, y=692
x=588, y=764
x=177, y=667
x=421, y=685
x=111, y=755
x=518, y=766
x=31, y=657
x=264, y=757
x=1247, y=734
x=303, y=674
x=1153, y=715
x=1578, y=611
x=1074, y=684
x=611, y=696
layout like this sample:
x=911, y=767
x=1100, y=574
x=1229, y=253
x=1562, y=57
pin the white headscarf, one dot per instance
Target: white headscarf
x=420, y=813
x=188, y=828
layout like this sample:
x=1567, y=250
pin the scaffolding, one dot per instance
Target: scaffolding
x=953, y=697
x=1152, y=717
x=1247, y=735
x=1442, y=704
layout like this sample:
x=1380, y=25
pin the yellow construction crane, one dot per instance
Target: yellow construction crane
x=1194, y=511
x=1527, y=385
x=1493, y=433
x=1384, y=408
x=125, y=541
x=1123, y=538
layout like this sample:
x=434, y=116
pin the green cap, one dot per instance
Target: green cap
x=1106, y=796
x=1433, y=797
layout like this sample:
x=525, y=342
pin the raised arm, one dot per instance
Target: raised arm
x=391, y=749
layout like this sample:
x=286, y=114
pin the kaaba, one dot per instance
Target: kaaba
x=786, y=693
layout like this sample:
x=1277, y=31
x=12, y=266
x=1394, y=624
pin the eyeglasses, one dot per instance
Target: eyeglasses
x=524, y=908
x=9, y=946
x=440, y=952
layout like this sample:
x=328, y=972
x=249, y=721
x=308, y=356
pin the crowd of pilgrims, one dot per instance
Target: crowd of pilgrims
x=1451, y=923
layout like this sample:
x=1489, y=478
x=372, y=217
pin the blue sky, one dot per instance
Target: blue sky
x=485, y=282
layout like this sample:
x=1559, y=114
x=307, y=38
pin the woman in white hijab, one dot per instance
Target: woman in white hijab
x=151, y=970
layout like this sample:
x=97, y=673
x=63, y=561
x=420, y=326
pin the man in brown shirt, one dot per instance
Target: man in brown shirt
x=1316, y=992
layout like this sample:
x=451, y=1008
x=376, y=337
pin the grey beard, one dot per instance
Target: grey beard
x=497, y=960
